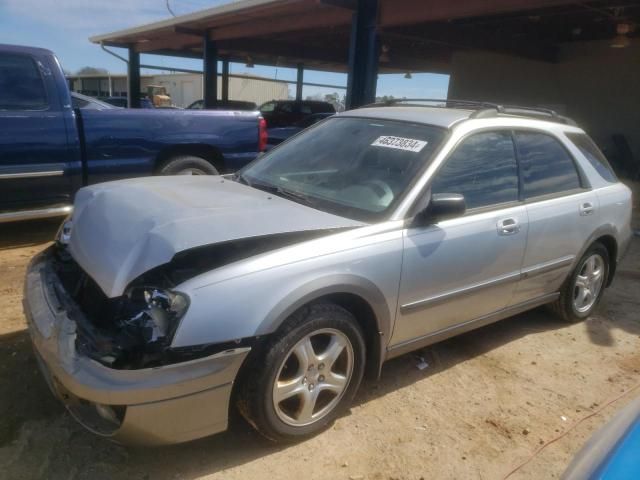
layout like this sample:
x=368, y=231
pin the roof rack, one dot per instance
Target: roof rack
x=482, y=109
x=439, y=102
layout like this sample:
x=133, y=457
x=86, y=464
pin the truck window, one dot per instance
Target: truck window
x=21, y=85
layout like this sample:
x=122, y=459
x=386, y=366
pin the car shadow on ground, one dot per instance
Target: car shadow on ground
x=28, y=233
x=30, y=414
x=403, y=371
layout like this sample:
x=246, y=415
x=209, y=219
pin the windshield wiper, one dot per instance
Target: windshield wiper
x=295, y=196
x=238, y=177
x=277, y=190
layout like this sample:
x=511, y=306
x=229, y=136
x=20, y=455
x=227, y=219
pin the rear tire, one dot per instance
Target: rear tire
x=187, y=165
x=305, y=376
x=583, y=290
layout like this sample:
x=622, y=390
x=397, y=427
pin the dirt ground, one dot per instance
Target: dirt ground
x=488, y=400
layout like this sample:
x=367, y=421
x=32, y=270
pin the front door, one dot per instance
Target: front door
x=465, y=268
x=34, y=154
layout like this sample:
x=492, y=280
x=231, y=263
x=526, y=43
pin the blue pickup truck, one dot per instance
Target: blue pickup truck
x=48, y=149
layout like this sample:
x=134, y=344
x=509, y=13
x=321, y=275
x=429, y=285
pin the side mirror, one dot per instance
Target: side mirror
x=442, y=206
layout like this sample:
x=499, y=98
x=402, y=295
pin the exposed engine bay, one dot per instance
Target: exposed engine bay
x=135, y=330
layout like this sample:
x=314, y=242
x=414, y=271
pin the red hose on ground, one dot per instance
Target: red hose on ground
x=572, y=427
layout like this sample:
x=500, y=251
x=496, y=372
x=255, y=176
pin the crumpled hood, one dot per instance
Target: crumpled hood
x=123, y=229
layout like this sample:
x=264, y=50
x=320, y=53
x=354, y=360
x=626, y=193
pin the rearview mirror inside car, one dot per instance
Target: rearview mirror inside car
x=442, y=206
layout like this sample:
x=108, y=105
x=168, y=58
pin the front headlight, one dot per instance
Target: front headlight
x=144, y=321
x=155, y=313
x=63, y=235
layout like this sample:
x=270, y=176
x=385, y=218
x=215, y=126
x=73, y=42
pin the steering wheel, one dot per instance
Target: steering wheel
x=381, y=189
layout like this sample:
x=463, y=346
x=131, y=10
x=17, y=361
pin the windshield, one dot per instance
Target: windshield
x=354, y=167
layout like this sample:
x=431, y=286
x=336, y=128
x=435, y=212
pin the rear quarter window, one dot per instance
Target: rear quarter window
x=592, y=153
x=21, y=85
x=547, y=167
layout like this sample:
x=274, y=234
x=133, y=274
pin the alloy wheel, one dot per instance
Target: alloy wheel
x=588, y=283
x=313, y=377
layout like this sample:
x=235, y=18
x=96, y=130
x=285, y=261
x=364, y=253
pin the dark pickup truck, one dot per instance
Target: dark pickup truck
x=49, y=150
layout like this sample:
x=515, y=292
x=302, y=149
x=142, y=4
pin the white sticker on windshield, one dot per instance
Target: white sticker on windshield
x=409, y=144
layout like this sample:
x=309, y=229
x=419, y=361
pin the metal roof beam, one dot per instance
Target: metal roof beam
x=282, y=24
x=406, y=12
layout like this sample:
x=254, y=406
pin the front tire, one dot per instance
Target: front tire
x=306, y=375
x=583, y=290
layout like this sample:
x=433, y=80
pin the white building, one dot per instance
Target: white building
x=184, y=88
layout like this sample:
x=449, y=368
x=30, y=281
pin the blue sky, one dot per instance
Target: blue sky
x=64, y=26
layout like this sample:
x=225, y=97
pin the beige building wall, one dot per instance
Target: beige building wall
x=187, y=88
x=594, y=84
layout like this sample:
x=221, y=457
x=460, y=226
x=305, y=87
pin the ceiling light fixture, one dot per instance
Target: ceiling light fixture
x=384, y=55
x=621, y=40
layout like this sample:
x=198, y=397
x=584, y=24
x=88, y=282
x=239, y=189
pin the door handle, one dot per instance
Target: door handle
x=586, y=208
x=508, y=226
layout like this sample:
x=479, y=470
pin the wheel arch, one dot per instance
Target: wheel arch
x=207, y=152
x=611, y=244
x=606, y=235
x=359, y=296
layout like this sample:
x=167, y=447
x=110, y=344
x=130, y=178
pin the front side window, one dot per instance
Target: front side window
x=21, y=86
x=268, y=107
x=547, y=168
x=354, y=167
x=593, y=154
x=483, y=169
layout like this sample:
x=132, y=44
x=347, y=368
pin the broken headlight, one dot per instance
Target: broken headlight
x=63, y=234
x=158, y=319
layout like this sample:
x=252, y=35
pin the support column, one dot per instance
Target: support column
x=133, y=79
x=364, y=50
x=299, y=82
x=225, y=79
x=210, y=69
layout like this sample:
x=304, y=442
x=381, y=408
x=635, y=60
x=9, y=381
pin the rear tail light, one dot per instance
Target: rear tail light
x=262, y=134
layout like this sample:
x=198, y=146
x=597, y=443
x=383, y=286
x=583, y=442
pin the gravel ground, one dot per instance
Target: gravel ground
x=488, y=400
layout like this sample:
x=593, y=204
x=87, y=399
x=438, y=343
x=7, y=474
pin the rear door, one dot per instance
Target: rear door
x=34, y=154
x=561, y=208
x=465, y=268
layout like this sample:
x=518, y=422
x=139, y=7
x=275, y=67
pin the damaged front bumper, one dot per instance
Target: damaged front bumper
x=149, y=406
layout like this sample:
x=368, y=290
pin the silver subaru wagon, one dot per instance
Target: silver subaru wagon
x=167, y=301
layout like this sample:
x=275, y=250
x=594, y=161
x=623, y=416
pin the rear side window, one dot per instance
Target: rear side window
x=592, y=153
x=547, y=168
x=483, y=169
x=286, y=107
x=322, y=108
x=21, y=86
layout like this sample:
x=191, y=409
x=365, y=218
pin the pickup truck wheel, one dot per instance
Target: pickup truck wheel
x=306, y=375
x=584, y=288
x=188, y=165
